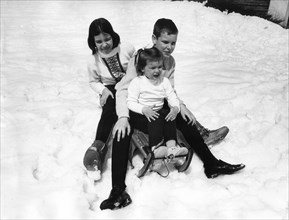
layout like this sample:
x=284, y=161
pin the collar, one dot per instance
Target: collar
x=112, y=53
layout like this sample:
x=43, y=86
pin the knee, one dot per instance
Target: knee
x=110, y=101
x=109, y=106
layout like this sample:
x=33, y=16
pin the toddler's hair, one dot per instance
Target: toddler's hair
x=144, y=55
x=98, y=26
x=164, y=25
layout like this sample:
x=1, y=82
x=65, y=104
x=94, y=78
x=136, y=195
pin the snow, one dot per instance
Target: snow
x=231, y=70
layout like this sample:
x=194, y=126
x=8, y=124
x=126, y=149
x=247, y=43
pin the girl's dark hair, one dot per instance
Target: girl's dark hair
x=144, y=55
x=98, y=26
x=164, y=25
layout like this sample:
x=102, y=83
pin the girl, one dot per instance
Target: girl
x=107, y=65
x=146, y=94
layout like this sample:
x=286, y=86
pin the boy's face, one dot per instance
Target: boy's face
x=166, y=43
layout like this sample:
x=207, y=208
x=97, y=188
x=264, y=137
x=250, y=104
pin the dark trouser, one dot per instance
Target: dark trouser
x=195, y=141
x=119, y=160
x=108, y=117
x=158, y=129
x=120, y=150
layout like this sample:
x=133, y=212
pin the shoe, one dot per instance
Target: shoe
x=222, y=168
x=94, y=156
x=212, y=137
x=118, y=198
x=156, y=165
x=177, y=151
x=160, y=152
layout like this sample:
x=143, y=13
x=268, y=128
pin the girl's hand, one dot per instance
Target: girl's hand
x=172, y=114
x=150, y=113
x=105, y=93
x=187, y=115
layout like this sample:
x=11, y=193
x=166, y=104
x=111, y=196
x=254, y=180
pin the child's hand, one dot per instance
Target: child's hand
x=172, y=114
x=150, y=113
x=105, y=93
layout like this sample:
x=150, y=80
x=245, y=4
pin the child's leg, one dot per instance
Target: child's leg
x=94, y=156
x=170, y=130
x=170, y=135
x=154, y=129
x=139, y=121
x=156, y=137
x=107, y=119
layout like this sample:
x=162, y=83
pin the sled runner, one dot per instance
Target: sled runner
x=140, y=142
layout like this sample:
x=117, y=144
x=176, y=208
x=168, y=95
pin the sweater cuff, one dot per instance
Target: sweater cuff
x=97, y=87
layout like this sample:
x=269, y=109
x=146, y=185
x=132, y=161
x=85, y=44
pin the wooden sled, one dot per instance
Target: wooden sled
x=139, y=142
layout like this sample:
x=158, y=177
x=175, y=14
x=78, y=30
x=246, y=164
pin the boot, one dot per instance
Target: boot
x=94, y=156
x=221, y=168
x=177, y=151
x=212, y=137
x=118, y=198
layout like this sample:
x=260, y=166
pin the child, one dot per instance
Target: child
x=106, y=67
x=146, y=94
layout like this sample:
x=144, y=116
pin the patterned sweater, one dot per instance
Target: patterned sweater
x=108, y=69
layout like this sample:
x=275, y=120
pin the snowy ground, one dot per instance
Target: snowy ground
x=231, y=70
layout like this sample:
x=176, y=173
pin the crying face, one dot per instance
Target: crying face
x=153, y=69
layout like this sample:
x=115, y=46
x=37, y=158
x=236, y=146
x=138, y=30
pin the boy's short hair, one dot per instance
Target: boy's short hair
x=144, y=55
x=98, y=26
x=164, y=25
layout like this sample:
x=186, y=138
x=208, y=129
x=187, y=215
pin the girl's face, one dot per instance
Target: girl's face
x=153, y=69
x=103, y=43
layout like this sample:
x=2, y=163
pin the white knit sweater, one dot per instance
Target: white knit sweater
x=143, y=93
x=122, y=86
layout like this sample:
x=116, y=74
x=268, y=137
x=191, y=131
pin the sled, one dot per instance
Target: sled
x=99, y=152
x=140, y=142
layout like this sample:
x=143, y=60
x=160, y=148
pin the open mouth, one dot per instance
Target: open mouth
x=156, y=75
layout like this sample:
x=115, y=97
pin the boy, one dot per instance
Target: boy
x=164, y=38
x=165, y=41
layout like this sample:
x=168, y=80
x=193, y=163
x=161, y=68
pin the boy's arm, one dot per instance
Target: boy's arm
x=170, y=74
x=121, y=90
x=171, y=95
x=133, y=94
x=187, y=115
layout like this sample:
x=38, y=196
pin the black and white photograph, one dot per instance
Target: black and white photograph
x=136, y=109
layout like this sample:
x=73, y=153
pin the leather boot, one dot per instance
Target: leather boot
x=212, y=137
x=118, y=198
x=222, y=167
